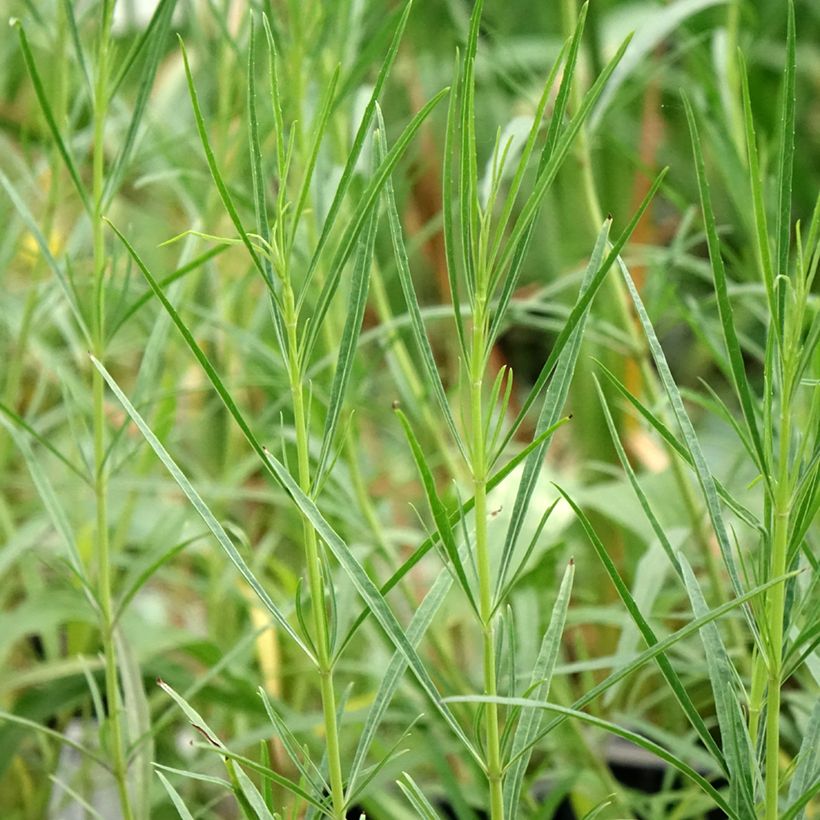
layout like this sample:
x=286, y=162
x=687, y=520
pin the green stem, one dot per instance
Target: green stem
x=314, y=567
x=776, y=601
x=479, y=470
x=104, y=586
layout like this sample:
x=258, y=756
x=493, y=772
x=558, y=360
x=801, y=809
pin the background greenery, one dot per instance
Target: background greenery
x=154, y=596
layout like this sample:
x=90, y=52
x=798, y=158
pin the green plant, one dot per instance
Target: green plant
x=302, y=275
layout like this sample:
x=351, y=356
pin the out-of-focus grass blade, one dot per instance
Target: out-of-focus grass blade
x=209, y=369
x=159, y=26
x=146, y=38
x=48, y=113
x=744, y=392
x=639, y=740
x=357, y=301
x=50, y=500
x=668, y=672
x=24, y=425
x=65, y=283
x=662, y=21
x=529, y=721
x=181, y=271
x=203, y=510
x=319, y=127
x=138, y=574
x=414, y=310
x=53, y=734
x=439, y=512
x=371, y=595
x=68, y=11
x=737, y=746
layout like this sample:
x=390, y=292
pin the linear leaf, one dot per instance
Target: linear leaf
x=414, y=310
x=439, y=511
x=744, y=392
x=371, y=595
x=203, y=510
x=357, y=302
x=550, y=411
x=734, y=736
x=530, y=720
x=668, y=672
x=639, y=740
x=48, y=113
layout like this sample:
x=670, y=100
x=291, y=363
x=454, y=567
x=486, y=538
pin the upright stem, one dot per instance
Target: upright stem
x=479, y=469
x=314, y=567
x=104, y=593
x=775, y=612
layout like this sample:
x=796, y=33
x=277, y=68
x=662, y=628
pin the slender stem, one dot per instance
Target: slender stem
x=479, y=470
x=314, y=566
x=776, y=601
x=104, y=593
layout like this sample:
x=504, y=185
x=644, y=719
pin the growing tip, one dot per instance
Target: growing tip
x=395, y=404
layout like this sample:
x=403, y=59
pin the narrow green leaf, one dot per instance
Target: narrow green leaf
x=550, y=411
x=48, y=113
x=658, y=649
x=530, y=720
x=203, y=510
x=579, y=310
x=747, y=401
x=807, y=773
x=224, y=193
x=414, y=310
x=455, y=516
x=785, y=167
x=358, y=144
x=666, y=434
x=666, y=669
x=737, y=746
x=358, y=221
x=439, y=512
x=179, y=805
x=692, y=444
x=357, y=301
x=371, y=595
x=159, y=26
x=639, y=740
